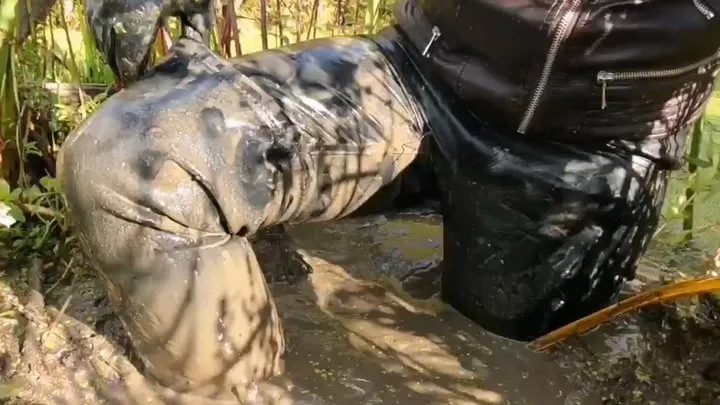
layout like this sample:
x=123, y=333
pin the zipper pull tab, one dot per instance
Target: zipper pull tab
x=435, y=35
x=603, y=77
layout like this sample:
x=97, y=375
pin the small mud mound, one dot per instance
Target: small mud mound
x=663, y=355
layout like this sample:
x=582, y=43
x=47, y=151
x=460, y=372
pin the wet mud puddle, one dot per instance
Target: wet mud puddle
x=366, y=327
x=369, y=328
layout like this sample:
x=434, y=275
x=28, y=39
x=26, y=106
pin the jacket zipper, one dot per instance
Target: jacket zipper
x=704, y=9
x=561, y=34
x=435, y=36
x=603, y=76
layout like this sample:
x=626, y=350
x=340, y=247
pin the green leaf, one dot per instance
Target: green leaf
x=4, y=190
x=38, y=242
x=31, y=194
x=32, y=149
x=8, y=12
x=50, y=183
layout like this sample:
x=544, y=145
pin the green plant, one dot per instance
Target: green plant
x=693, y=214
x=31, y=219
x=34, y=122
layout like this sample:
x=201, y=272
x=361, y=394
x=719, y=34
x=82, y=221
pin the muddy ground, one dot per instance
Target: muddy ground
x=366, y=327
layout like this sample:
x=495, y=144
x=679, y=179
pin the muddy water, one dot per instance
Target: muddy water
x=371, y=330
x=368, y=328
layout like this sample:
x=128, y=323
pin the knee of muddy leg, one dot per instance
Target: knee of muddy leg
x=192, y=298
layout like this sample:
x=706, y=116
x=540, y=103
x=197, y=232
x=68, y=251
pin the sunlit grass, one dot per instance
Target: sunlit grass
x=706, y=216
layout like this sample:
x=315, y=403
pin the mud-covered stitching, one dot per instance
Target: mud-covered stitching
x=225, y=239
x=458, y=80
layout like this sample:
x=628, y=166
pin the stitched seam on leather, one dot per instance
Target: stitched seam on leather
x=459, y=76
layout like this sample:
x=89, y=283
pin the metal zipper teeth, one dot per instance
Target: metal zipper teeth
x=603, y=76
x=560, y=34
x=704, y=9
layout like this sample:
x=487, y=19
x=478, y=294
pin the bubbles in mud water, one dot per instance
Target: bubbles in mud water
x=574, y=398
x=556, y=304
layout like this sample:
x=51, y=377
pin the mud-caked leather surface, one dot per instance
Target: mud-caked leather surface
x=573, y=69
x=169, y=178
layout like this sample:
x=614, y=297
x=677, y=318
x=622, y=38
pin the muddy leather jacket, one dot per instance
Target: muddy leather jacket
x=573, y=69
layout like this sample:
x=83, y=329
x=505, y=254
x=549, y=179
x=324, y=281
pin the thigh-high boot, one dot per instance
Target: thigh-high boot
x=169, y=178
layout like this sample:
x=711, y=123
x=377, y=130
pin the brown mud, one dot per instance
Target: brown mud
x=367, y=327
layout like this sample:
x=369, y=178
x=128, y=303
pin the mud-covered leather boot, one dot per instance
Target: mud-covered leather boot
x=171, y=178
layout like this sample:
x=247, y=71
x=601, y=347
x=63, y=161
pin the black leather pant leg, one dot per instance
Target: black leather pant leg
x=537, y=235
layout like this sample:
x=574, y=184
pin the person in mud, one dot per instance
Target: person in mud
x=549, y=129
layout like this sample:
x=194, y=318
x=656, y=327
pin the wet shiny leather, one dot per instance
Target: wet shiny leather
x=536, y=233
x=492, y=53
x=169, y=178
